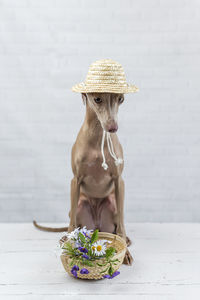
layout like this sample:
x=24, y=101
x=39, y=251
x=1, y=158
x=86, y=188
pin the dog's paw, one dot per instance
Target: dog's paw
x=128, y=241
x=128, y=258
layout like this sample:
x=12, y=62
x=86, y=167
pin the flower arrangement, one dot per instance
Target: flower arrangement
x=86, y=252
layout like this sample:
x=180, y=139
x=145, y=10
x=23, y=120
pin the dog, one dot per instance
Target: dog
x=97, y=189
x=97, y=197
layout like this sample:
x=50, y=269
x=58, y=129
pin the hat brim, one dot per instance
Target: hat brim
x=82, y=88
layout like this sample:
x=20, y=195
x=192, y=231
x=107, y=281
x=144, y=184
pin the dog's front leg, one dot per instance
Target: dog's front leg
x=75, y=192
x=119, y=217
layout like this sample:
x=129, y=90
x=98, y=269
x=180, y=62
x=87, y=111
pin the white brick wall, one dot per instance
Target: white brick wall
x=45, y=47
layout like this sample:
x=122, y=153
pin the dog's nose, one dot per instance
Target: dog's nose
x=113, y=128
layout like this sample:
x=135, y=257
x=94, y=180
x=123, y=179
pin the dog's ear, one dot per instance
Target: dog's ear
x=84, y=97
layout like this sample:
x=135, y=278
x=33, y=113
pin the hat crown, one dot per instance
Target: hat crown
x=105, y=76
x=106, y=72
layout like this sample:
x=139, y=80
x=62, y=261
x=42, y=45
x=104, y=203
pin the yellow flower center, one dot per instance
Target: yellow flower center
x=99, y=247
x=93, y=247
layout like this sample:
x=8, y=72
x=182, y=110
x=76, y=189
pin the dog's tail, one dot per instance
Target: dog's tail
x=50, y=229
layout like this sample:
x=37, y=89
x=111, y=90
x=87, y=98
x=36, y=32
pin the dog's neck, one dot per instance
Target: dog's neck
x=92, y=126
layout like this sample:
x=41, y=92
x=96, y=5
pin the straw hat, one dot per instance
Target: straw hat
x=105, y=76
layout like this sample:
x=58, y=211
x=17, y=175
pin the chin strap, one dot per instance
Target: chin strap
x=118, y=160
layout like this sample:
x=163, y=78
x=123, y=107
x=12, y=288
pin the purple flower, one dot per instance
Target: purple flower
x=107, y=276
x=85, y=256
x=75, y=268
x=84, y=271
x=87, y=236
x=112, y=276
x=74, y=273
x=83, y=249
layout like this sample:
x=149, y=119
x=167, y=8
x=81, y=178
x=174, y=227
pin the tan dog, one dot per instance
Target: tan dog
x=97, y=194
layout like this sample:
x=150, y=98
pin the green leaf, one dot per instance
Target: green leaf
x=72, y=262
x=114, y=260
x=87, y=263
x=110, y=252
x=89, y=251
x=102, y=265
x=81, y=237
x=110, y=271
x=94, y=236
x=67, y=246
x=69, y=249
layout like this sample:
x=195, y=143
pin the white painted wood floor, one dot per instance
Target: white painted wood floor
x=166, y=266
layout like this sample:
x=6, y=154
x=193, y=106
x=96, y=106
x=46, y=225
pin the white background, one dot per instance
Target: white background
x=46, y=47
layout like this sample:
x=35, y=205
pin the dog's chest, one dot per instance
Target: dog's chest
x=94, y=173
x=92, y=163
x=97, y=182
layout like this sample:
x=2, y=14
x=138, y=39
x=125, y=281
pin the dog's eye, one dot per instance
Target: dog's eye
x=121, y=99
x=97, y=100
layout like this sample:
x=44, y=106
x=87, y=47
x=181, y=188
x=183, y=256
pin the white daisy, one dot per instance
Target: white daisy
x=73, y=234
x=99, y=248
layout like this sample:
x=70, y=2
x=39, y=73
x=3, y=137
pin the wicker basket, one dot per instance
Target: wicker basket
x=94, y=272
